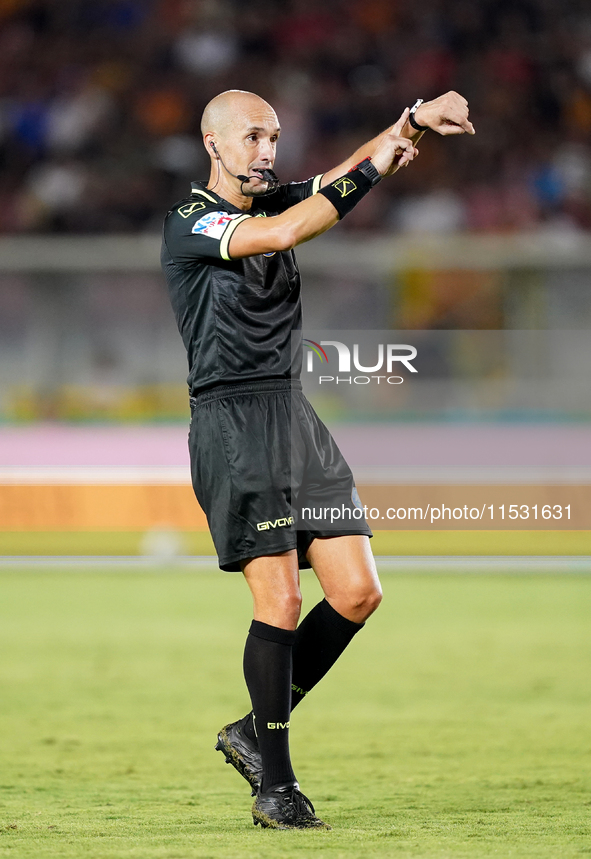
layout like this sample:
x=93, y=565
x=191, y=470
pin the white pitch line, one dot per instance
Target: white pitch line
x=479, y=563
x=108, y=561
x=464, y=564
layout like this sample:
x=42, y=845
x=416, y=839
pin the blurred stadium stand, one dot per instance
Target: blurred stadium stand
x=87, y=333
x=100, y=105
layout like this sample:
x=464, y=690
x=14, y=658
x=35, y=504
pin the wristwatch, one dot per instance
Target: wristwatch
x=411, y=116
x=369, y=170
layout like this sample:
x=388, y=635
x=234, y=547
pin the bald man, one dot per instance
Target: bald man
x=259, y=454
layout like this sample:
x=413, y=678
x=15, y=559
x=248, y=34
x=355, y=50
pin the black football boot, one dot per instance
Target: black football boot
x=242, y=752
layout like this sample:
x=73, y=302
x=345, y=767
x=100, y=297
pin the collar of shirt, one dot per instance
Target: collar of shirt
x=200, y=189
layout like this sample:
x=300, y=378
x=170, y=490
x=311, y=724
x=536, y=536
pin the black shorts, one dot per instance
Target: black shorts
x=267, y=472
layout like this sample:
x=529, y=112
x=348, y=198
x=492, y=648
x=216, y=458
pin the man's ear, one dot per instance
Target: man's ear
x=210, y=145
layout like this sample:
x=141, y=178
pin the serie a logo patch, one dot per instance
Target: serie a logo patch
x=213, y=224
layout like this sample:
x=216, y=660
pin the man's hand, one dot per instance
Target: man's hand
x=393, y=150
x=447, y=114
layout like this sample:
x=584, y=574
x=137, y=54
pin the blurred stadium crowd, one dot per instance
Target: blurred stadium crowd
x=100, y=105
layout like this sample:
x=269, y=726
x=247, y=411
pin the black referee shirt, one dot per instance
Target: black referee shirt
x=235, y=316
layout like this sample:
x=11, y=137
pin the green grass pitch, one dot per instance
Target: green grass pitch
x=458, y=724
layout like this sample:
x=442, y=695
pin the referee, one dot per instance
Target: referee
x=259, y=453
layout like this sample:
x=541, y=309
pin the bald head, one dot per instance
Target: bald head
x=231, y=108
x=240, y=133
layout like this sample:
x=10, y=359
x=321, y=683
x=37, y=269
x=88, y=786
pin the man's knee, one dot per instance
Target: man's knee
x=279, y=609
x=291, y=605
x=274, y=584
x=357, y=603
x=365, y=601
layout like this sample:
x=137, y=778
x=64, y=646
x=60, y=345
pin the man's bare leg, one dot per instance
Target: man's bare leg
x=274, y=582
x=347, y=573
x=346, y=570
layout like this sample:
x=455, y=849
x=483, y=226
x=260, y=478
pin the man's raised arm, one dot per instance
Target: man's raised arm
x=390, y=150
x=447, y=114
x=319, y=213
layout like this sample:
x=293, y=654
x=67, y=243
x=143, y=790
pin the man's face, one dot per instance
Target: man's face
x=249, y=144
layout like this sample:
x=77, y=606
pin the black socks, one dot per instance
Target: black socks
x=267, y=671
x=317, y=644
x=320, y=639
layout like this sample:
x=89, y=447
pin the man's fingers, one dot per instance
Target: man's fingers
x=406, y=152
x=461, y=119
x=399, y=125
x=448, y=126
x=455, y=121
x=448, y=114
x=406, y=155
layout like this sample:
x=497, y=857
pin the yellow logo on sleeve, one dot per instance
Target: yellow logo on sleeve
x=190, y=209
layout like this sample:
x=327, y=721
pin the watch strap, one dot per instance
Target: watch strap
x=411, y=116
x=369, y=170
